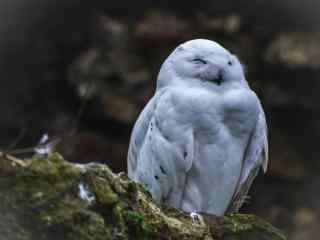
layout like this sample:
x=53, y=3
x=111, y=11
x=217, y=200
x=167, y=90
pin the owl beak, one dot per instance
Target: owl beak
x=218, y=79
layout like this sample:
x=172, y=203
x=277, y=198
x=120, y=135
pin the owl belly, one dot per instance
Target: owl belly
x=220, y=145
x=214, y=175
x=221, y=132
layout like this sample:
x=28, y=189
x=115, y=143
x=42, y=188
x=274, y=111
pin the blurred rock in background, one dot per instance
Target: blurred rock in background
x=83, y=71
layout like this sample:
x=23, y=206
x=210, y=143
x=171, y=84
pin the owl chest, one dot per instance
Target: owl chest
x=240, y=114
x=184, y=111
x=208, y=113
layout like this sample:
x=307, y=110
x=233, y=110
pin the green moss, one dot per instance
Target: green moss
x=137, y=224
x=134, y=216
x=54, y=168
x=117, y=212
x=40, y=200
x=239, y=225
x=103, y=191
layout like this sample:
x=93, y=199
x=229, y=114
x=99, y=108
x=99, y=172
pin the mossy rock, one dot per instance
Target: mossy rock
x=49, y=198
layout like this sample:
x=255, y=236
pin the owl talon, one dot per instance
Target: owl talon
x=197, y=218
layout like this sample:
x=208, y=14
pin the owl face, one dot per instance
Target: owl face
x=205, y=61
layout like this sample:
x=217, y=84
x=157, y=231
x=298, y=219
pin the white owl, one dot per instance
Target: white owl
x=202, y=138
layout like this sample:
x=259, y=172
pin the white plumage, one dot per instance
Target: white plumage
x=201, y=139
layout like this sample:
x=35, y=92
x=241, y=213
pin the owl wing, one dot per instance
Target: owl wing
x=256, y=156
x=154, y=159
x=138, y=136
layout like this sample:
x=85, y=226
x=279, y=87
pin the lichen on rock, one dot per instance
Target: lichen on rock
x=40, y=199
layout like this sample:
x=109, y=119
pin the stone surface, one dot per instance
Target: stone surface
x=48, y=198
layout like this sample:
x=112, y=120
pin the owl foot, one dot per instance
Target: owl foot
x=197, y=218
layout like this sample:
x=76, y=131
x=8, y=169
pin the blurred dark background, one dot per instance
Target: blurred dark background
x=83, y=70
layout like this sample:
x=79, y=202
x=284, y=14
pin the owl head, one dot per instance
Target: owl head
x=201, y=62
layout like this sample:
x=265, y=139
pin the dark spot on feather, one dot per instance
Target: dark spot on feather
x=156, y=177
x=134, y=155
x=185, y=154
x=166, y=137
x=155, y=123
x=162, y=170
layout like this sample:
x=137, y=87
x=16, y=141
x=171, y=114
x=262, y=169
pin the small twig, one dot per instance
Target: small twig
x=19, y=151
x=82, y=108
x=13, y=159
